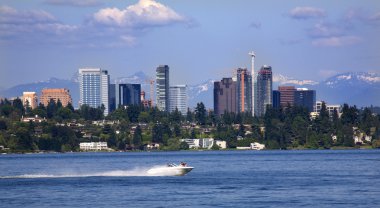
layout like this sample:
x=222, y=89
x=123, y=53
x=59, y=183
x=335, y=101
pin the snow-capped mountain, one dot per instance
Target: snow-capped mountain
x=355, y=88
x=280, y=79
x=353, y=78
x=201, y=93
x=136, y=78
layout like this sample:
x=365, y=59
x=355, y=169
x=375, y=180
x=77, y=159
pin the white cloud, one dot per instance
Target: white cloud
x=109, y=27
x=75, y=3
x=336, y=41
x=306, y=13
x=146, y=13
x=28, y=24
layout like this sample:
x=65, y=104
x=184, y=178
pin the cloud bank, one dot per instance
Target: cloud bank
x=28, y=24
x=107, y=27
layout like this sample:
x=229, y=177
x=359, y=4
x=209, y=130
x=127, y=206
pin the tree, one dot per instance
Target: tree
x=157, y=134
x=51, y=109
x=3, y=125
x=215, y=146
x=200, y=114
x=133, y=112
x=137, y=137
x=189, y=115
x=17, y=104
x=70, y=107
x=177, y=130
x=64, y=113
x=183, y=146
x=176, y=116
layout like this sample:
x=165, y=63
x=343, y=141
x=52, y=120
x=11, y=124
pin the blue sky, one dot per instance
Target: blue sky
x=198, y=39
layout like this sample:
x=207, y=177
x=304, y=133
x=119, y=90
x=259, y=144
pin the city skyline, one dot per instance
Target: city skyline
x=308, y=40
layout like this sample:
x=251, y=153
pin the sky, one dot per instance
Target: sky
x=198, y=39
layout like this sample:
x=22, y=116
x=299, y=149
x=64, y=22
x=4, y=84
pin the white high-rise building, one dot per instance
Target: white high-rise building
x=94, y=88
x=178, y=98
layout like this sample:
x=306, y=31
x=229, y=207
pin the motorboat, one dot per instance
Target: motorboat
x=170, y=169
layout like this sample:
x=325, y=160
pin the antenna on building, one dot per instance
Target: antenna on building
x=253, y=55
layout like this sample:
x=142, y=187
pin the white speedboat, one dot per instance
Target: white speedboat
x=170, y=170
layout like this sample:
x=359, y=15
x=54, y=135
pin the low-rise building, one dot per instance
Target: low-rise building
x=152, y=146
x=93, y=146
x=206, y=143
x=193, y=143
x=33, y=119
x=221, y=144
x=253, y=146
x=257, y=146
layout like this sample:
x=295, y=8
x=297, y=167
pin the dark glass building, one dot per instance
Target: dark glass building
x=112, y=97
x=276, y=99
x=162, y=87
x=225, y=96
x=305, y=98
x=128, y=94
x=263, y=90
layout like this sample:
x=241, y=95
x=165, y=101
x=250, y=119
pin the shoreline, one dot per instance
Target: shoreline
x=192, y=150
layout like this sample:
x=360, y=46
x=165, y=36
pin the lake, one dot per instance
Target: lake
x=310, y=178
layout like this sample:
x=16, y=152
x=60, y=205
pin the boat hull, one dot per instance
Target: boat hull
x=169, y=171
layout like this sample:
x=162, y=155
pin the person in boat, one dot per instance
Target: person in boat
x=183, y=164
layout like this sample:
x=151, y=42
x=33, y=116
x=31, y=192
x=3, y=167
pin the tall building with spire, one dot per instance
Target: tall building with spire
x=264, y=90
x=162, y=87
x=94, y=88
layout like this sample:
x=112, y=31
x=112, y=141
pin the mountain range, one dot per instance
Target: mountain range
x=354, y=88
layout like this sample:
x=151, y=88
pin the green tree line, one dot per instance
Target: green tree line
x=136, y=126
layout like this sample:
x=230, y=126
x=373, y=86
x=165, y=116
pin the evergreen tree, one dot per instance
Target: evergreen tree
x=200, y=114
x=51, y=109
x=17, y=104
x=137, y=137
x=189, y=116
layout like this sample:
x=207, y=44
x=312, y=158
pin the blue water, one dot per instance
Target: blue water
x=331, y=178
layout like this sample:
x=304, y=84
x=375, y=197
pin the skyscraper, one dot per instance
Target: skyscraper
x=243, y=90
x=128, y=94
x=225, y=96
x=94, y=88
x=178, y=98
x=263, y=90
x=162, y=87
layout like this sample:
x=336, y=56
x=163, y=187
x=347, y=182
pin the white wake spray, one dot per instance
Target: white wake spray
x=113, y=173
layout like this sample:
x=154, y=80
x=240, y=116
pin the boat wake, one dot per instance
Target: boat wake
x=138, y=172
